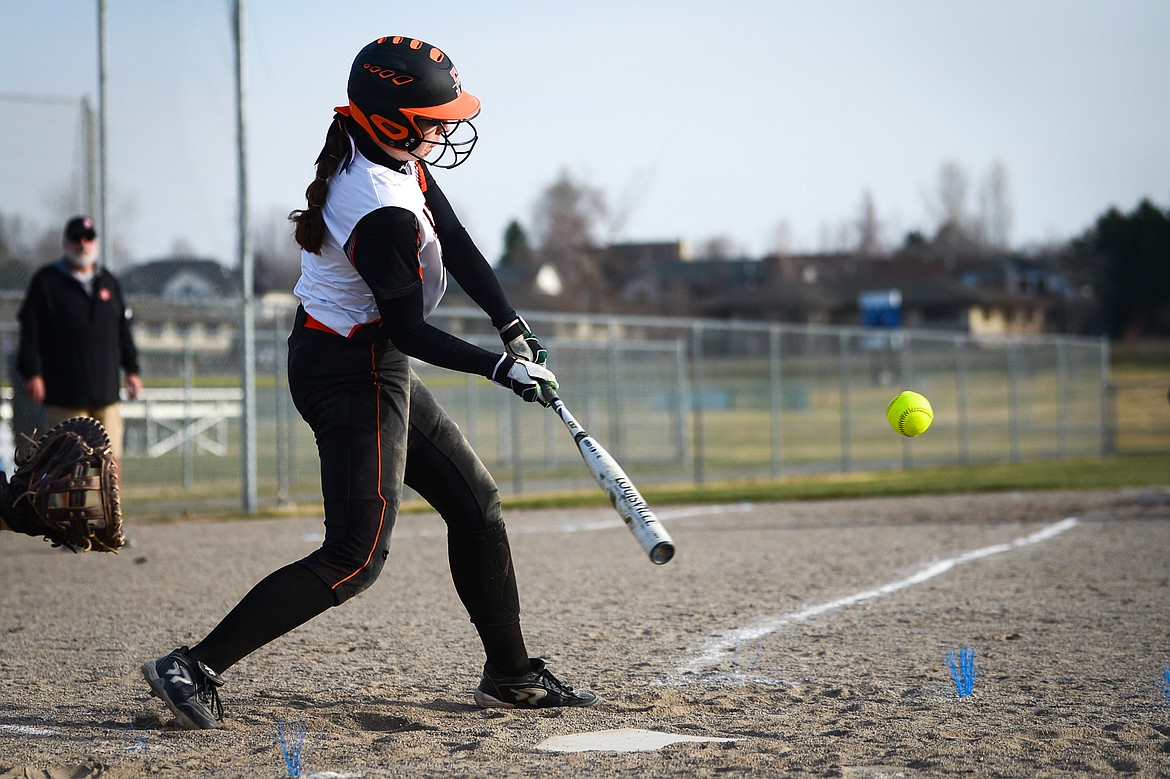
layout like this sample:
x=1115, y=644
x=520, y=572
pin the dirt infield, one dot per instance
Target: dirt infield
x=811, y=633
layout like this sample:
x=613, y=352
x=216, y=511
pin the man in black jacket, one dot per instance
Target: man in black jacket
x=75, y=337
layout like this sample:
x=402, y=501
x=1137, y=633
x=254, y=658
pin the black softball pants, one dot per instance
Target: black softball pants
x=378, y=427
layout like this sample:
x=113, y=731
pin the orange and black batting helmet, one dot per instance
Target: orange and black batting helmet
x=396, y=81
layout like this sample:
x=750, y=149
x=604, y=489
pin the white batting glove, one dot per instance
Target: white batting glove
x=524, y=378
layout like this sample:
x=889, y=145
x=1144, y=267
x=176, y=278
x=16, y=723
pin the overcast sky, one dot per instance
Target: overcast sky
x=743, y=118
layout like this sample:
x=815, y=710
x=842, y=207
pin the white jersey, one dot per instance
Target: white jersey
x=330, y=288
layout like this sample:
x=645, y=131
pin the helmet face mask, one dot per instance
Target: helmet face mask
x=455, y=139
x=398, y=86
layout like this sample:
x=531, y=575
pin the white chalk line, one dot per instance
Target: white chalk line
x=26, y=730
x=716, y=650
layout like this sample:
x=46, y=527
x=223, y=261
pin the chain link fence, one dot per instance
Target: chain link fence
x=676, y=401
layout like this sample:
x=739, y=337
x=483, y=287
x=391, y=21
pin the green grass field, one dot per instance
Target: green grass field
x=1120, y=471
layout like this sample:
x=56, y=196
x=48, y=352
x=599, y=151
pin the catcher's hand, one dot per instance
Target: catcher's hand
x=65, y=488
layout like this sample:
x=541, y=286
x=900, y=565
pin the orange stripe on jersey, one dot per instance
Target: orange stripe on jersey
x=422, y=184
x=418, y=242
x=382, y=516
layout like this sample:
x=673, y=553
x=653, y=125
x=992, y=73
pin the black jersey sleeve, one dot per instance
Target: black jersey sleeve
x=384, y=250
x=383, y=247
x=463, y=258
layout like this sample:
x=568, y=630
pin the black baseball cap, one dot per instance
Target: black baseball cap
x=80, y=227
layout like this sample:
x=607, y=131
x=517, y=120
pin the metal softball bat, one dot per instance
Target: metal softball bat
x=614, y=482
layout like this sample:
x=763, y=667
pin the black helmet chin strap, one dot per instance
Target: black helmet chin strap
x=370, y=150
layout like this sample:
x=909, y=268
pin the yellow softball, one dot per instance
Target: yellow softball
x=910, y=414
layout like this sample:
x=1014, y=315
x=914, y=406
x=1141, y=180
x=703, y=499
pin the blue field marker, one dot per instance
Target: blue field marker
x=141, y=745
x=292, y=739
x=1163, y=684
x=962, y=668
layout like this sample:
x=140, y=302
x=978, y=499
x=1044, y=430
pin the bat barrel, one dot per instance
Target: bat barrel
x=622, y=493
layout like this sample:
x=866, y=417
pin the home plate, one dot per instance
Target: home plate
x=620, y=740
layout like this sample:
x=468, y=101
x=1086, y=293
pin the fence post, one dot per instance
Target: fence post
x=188, y=412
x=696, y=401
x=284, y=447
x=1108, y=392
x=962, y=377
x=1061, y=399
x=1013, y=402
x=613, y=386
x=846, y=421
x=680, y=402
x=776, y=400
x=906, y=368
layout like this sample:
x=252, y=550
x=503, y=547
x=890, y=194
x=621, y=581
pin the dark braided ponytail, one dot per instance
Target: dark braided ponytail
x=310, y=221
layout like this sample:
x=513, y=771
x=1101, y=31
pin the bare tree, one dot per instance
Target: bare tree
x=869, y=228
x=956, y=231
x=628, y=201
x=568, y=216
x=995, y=209
x=781, y=243
x=569, y=212
x=953, y=185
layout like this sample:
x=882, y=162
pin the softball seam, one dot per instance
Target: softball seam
x=907, y=412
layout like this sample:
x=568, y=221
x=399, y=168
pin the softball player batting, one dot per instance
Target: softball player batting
x=378, y=238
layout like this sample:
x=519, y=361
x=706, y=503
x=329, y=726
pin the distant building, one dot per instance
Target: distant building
x=181, y=280
x=976, y=295
x=183, y=303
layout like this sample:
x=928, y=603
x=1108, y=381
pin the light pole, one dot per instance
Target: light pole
x=99, y=210
x=248, y=309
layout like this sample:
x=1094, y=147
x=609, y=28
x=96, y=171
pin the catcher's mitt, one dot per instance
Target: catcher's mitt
x=65, y=488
